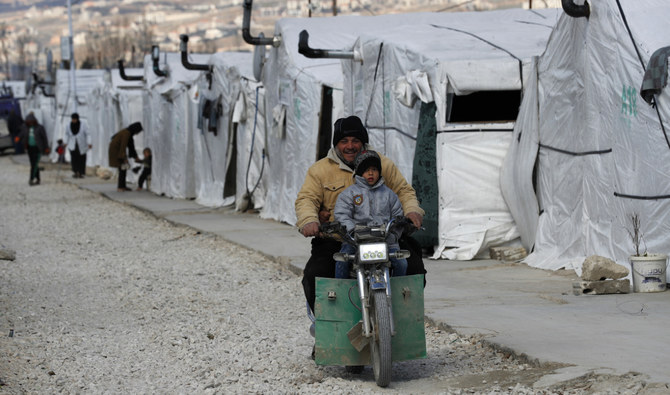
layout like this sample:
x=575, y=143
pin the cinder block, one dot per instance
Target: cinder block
x=508, y=253
x=601, y=287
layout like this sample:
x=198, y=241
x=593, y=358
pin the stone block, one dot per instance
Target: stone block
x=7, y=254
x=601, y=287
x=508, y=254
x=598, y=268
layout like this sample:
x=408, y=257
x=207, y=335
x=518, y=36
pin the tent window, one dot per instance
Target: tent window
x=484, y=106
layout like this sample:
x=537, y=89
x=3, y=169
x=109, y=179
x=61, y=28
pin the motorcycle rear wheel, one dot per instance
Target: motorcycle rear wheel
x=380, y=343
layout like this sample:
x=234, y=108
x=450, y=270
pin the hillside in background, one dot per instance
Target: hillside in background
x=105, y=31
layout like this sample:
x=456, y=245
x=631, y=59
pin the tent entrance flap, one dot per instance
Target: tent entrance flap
x=324, y=141
x=229, y=186
x=424, y=175
x=483, y=106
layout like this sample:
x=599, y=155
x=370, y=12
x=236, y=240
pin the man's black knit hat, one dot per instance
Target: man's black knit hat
x=350, y=126
x=366, y=159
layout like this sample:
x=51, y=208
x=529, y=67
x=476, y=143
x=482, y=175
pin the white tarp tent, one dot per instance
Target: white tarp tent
x=112, y=105
x=44, y=109
x=85, y=81
x=18, y=88
x=219, y=141
x=294, y=89
x=170, y=119
x=439, y=60
x=599, y=151
x=252, y=166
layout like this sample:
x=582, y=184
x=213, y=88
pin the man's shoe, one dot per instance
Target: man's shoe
x=356, y=369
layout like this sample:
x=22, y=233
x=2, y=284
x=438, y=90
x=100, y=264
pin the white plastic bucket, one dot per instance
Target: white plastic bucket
x=649, y=272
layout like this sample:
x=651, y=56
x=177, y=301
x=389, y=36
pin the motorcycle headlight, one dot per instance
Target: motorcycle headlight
x=370, y=253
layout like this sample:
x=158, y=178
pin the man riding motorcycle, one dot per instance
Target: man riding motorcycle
x=325, y=180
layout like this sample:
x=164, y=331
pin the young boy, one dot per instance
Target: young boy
x=61, y=151
x=368, y=202
x=146, y=171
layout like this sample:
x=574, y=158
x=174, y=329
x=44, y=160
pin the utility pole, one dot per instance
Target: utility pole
x=73, y=83
x=334, y=7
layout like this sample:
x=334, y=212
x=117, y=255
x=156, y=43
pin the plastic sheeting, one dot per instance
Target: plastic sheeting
x=18, y=88
x=252, y=163
x=599, y=150
x=54, y=112
x=85, y=81
x=294, y=87
x=45, y=111
x=170, y=118
x=472, y=212
x=112, y=105
x=221, y=143
x=424, y=60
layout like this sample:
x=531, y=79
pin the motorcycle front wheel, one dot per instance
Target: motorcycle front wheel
x=380, y=343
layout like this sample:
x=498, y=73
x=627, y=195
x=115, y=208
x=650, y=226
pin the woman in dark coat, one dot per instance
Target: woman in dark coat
x=121, y=147
x=33, y=138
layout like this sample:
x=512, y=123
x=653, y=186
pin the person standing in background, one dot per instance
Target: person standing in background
x=78, y=142
x=60, y=150
x=33, y=138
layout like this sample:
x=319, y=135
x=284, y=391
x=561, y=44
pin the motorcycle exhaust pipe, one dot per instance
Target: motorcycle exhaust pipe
x=367, y=332
x=387, y=278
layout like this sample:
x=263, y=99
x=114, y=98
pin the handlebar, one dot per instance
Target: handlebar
x=404, y=224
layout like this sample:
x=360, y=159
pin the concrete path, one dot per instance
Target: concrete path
x=530, y=312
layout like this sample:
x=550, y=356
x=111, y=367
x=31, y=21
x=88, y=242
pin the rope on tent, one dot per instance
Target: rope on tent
x=644, y=69
x=658, y=197
x=573, y=153
x=374, y=82
x=391, y=128
x=630, y=34
x=249, y=194
x=607, y=151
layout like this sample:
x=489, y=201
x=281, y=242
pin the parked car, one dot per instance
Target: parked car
x=5, y=138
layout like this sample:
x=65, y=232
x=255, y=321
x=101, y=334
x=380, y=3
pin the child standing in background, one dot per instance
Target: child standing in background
x=61, y=151
x=146, y=170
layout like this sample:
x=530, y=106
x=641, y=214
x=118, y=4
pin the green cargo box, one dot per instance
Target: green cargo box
x=335, y=317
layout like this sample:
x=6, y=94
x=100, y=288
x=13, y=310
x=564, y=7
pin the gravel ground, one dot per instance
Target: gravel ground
x=103, y=298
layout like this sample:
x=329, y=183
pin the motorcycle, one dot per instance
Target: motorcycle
x=372, y=319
